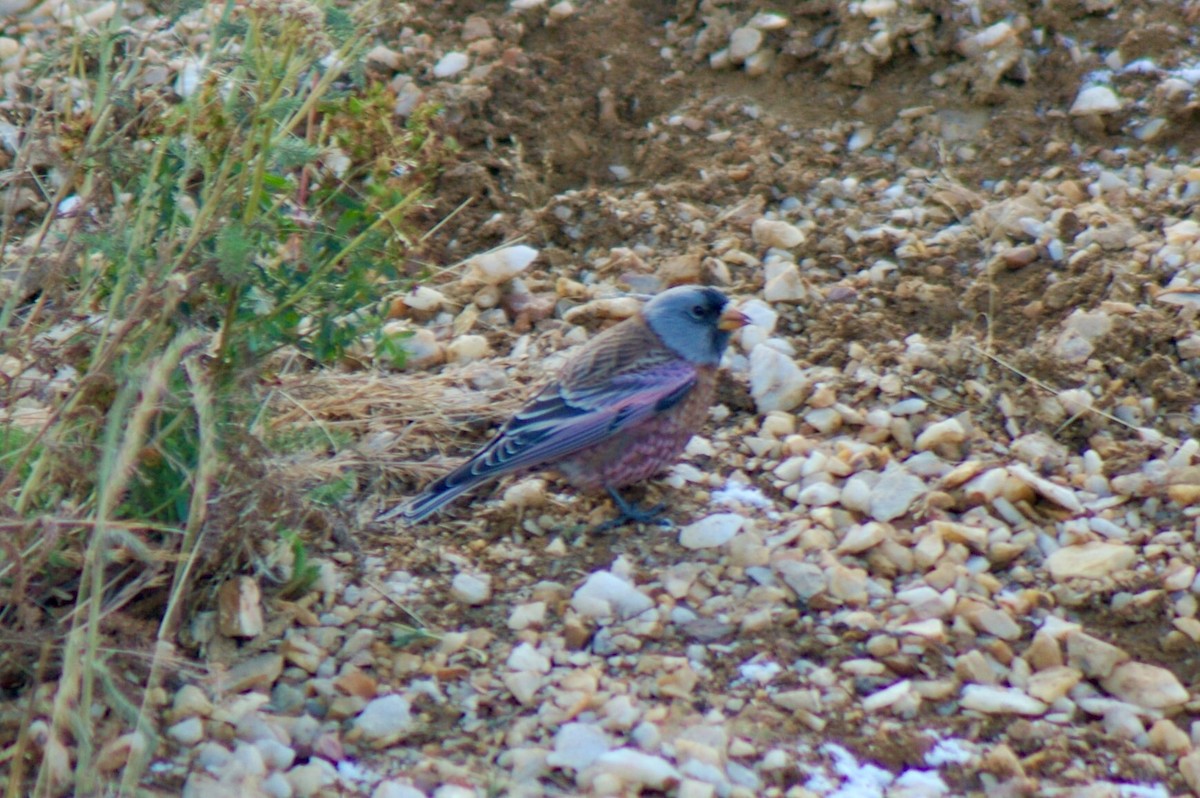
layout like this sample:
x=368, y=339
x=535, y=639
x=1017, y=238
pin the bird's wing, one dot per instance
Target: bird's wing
x=565, y=418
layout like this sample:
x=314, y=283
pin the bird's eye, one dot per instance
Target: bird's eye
x=698, y=311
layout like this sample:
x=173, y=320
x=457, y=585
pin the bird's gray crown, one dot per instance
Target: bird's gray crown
x=686, y=318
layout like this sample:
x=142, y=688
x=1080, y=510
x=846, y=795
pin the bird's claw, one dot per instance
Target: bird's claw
x=630, y=512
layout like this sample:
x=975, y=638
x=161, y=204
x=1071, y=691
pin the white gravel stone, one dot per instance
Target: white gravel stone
x=743, y=42
x=313, y=778
x=894, y=493
x=1096, y=100
x=472, y=589
x=887, y=697
x=776, y=233
x=450, y=64
x=950, y=430
x=187, y=732
x=856, y=494
x=605, y=595
x=819, y=494
x=768, y=21
x=421, y=349
x=776, y=382
x=1092, y=560
x=276, y=785
x=1062, y=496
x=1147, y=686
x=396, y=789
x=384, y=720
x=805, y=578
x=501, y=265
x=785, y=286
x=631, y=769
x=712, y=531
x=527, y=658
x=424, y=298
x=468, y=349
x=862, y=537
x=524, y=616
x=1000, y=701
x=578, y=745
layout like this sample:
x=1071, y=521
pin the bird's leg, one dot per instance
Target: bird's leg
x=631, y=512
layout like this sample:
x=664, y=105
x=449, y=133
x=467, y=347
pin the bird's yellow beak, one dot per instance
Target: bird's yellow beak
x=732, y=319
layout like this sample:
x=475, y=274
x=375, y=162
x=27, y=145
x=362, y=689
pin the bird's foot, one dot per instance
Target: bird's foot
x=631, y=512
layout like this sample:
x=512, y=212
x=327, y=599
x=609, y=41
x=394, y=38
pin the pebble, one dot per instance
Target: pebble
x=523, y=616
x=1096, y=100
x=239, y=608
x=711, y=531
x=471, y=589
x=1093, y=656
x=501, y=265
x=423, y=298
x=774, y=233
x=862, y=537
x=1147, y=686
x=894, y=493
x=605, y=595
x=785, y=286
x=949, y=431
x=396, y=789
x=450, y=65
x=384, y=721
x=1093, y=560
x=1000, y=701
x=187, y=732
x=743, y=42
x=1051, y=684
x=312, y=778
x=1062, y=496
x=190, y=700
x=630, y=769
x=776, y=382
x=578, y=745
x=258, y=672
x=421, y=347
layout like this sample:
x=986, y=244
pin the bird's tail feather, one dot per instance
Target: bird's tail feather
x=436, y=495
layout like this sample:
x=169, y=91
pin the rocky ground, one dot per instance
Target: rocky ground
x=939, y=537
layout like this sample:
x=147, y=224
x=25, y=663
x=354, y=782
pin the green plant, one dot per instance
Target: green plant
x=265, y=208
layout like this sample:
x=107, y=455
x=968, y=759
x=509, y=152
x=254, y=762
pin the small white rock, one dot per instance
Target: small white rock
x=187, y=732
x=894, y=493
x=501, y=265
x=1093, y=560
x=776, y=382
x=743, y=42
x=1000, y=701
x=1096, y=100
x=471, y=589
x=467, y=349
x=948, y=431
x=384, y=720
x=578, y=745
x=450, y=65
x=1147, y=686
x=712, y=531
x=424, y=298
x=786, y=286
x=605, y=593
x=632, y=769
x=776, y=233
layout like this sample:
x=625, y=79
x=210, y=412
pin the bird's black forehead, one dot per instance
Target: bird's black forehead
x=714, y=298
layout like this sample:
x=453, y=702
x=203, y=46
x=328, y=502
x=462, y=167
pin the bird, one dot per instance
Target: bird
x=622, y=407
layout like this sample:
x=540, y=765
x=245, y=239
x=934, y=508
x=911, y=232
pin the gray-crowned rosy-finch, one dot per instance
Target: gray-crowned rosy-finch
x=621, y=409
